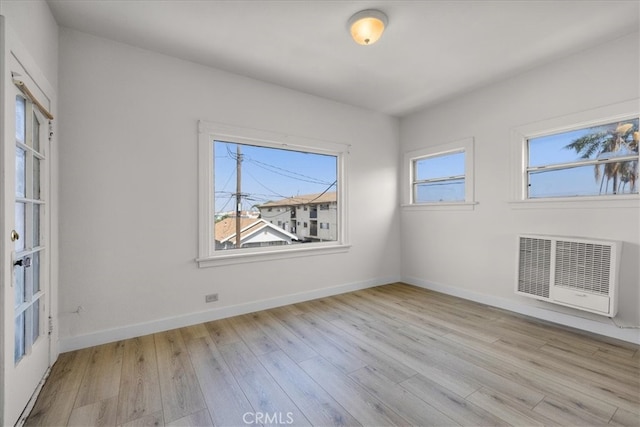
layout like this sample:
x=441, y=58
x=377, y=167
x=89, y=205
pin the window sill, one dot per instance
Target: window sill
x=245, y=256
x=440, y=206
x=601, y=202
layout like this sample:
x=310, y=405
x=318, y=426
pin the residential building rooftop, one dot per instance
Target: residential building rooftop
x=304, y=199
x=226, y=228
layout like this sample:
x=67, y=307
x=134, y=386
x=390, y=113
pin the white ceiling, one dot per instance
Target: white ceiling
x=431, y=50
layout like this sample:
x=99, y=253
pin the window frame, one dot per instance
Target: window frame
x=466, y=146
x=519, y=137
x=209, y=132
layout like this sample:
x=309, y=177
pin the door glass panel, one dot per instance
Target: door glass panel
x=36, y=178
x=35, y=272
x=36, y=133
x=20, y=226
x=19, y=285
x=36, y=226
x=35, y=323
x=20, y=119
x=29, y=286
x=18, y=351
x=21, y=175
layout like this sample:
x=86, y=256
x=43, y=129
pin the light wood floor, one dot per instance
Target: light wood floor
x=391, y=355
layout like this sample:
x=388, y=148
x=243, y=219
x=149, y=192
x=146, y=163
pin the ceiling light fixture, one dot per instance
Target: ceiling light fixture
x=367, y=26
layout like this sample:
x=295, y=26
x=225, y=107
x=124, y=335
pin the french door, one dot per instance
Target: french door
x=26, y=304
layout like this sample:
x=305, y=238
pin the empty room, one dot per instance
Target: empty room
x=319, y=212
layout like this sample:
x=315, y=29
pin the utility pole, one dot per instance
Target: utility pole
x=238, y=194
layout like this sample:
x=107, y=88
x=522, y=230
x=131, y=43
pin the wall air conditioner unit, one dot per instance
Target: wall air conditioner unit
x=574, y=272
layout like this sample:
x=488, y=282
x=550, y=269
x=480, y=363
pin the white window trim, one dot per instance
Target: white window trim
x=207, y=133
x=465, y=145
x=584, y=119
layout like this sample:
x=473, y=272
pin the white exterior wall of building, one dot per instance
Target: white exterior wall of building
x=302, y=218
x=278, y=216
x=326, y=222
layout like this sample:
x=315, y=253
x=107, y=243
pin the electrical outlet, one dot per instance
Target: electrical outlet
x=211, y=298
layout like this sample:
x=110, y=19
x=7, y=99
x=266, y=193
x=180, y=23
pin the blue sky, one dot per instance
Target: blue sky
x=269, y=174
x=579, y=181
x=273, y=174
x=545, y=150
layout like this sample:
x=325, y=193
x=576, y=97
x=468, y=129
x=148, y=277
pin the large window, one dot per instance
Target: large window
x=586, y=159
x=598, y=160
x=256, y=186
x=441, y=175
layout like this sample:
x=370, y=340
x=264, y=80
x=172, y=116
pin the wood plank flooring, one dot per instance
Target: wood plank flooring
x=390, y=355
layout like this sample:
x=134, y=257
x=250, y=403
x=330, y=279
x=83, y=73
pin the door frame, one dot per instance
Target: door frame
x=10, y=46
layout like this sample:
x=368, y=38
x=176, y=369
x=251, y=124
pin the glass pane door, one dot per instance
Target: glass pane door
x=28, y=246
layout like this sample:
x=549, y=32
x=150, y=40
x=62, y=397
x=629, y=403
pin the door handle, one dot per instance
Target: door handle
x=26, y=262
x=14, y=235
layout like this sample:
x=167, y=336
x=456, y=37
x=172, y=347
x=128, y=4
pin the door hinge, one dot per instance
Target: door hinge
x=50, y=325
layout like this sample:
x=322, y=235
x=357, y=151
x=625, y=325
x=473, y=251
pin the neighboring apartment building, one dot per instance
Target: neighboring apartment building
x=311, y=217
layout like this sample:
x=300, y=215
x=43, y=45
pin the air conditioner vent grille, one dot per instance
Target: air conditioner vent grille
x=583, y=266
x=535, y=266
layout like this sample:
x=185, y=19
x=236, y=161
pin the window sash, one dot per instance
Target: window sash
x=519, y=154
x=415, y=183
x=577, y=164
x=607, y=158
x=447, y=178
x=464, y=146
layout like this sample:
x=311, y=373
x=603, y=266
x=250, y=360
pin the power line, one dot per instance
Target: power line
x=270, y=167
x=265, y=187
x=240, y=158
x=273, y=168
x=225, y=205
x=228, y=179
x=321, y=194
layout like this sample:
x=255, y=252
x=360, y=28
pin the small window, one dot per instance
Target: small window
x=439, y=178
x=600, y=160
x=440, y=175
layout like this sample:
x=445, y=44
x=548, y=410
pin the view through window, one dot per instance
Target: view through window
x=265, y=196
x=593, y=161
x=439, y=178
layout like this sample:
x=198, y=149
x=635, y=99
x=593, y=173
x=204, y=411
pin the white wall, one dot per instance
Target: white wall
x=38, y=32
x=472, y=253
x=129, y=192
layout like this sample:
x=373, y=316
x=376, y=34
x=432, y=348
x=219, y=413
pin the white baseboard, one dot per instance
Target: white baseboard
x=160, y=325
x=600, y=328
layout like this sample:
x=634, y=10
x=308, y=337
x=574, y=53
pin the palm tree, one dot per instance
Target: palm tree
x=619, y=141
